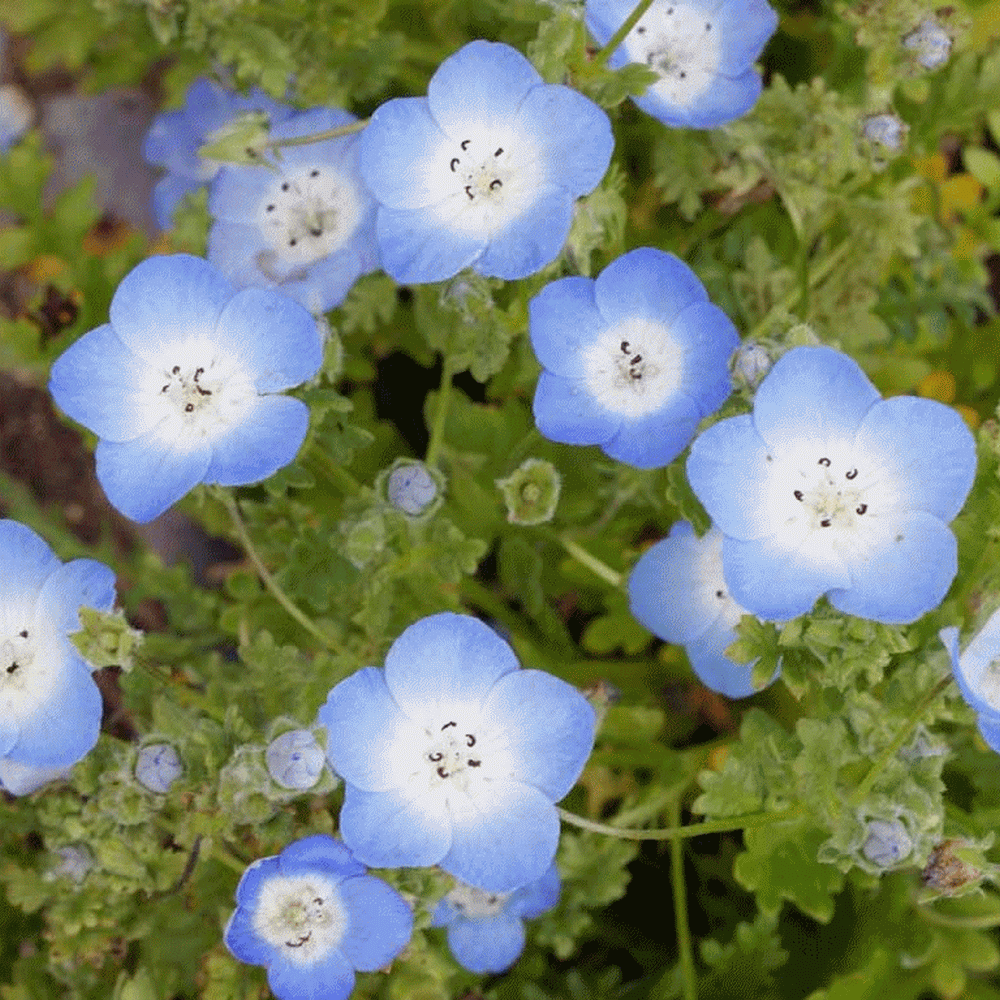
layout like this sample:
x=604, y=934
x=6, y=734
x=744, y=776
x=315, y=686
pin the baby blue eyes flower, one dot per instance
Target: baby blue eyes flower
x=295, y=759
x=633, y=360
x=453, y=755
x=977, y=671
x=158, y=767
x=483, y=172
x=702, y=50
x=312, y=915
x=305, y=225
x=175, y=137
x=885, y=130
x=183, y=385
x=677, y=591
x=486, y=929
x=828, y=489
x=930, y=44
x=50, y=707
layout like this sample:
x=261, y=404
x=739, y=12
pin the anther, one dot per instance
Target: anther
x=473, y=763
x=203, y=392
x=468, y=191
x=470, y=740
x=23, y=633
x=495, y=183
x=625, y=347
x=825, y=523
x=499, y=151
x=13, y=667
x=189, y=408
x=270, y=208
x=465, y=143
x=301, y=941
x=636, y=359
x=798, y=494
x=823, y=461
x=448, y=725
x=682, y=75
x=852, y=474
x=442, y=773
x=454, y=163
x=285, y=186
x=314, y=173
x=861, y=509
x=198, y=372
x=176, y=370
x=164, y=389
x=708, y=27
x=641, y=30
x=436, y=756
x=292, y=241
x=315, y=232
x=720, y=594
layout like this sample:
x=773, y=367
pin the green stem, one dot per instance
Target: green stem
x=330, y=133
x=684, y=947
x=595, y=565
x=322, y=464
x=619, y=36
x=265, y=577
x=943, y=920
x=441, y=413
x=861, y=792
x=726, y=825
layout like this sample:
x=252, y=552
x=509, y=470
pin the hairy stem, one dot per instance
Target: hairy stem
x=684, y=947
x=330, y=133
x=680, y=832
x=441, y=413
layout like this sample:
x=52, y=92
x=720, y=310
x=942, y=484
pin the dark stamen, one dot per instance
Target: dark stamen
x=270, y=208
x=636, y=359
x=198, y=372
x=468, y=191
x=823, y=461
x=825, y=523
x=203, y=392
x=861, y=509
x=442, y=773
x=292, y=241
x=852, y=474
x=465, y=143
x=13, y=667
x=625, y=347
x=474, y=763
x=189, y=408
x=454, y=163
x=720, y=594
x=316, y=232
x=436, y=756
x=314, y=173
x=798, y=494
x=499, y=151
x=285, y=186
x=448, y=725
x=495, y=183
x=176, y=370
x=682, y=75
x=470, y=740
x=23, y=633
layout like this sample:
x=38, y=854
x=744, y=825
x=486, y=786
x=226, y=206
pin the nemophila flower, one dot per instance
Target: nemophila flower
x=828, y=489
x=50, y=707
x=183, y=385
x=295, y=760
x=175, y=137
x=885, y=130
x=453, y=755
x=702, y=50
x=304, y=224
x=312, y=915
x=677, y=591
x=977, y=671
x=930, y=44
x=483, y=172
x=486, y=929
x=632, y=360
x=157, y=767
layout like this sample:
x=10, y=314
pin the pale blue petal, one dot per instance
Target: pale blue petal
x=20, y=779
x=530, y=241
x=380, y=924
x=80, y=583
x=982, y=650
x=167, y=196
x=165, y=301
x=605, y=17
x=237, y=191
x=708, y=339
x=989, y=727
x=926, y=447
x=491, y=945
x=778, y=578
x=537, y=897
x=242, y=941
x=503, y=839
x=418, y=246
x=745, y=28
x=142, y=478
x=714, y=669
x=101, y=384
x=443, y=662
x=320, y=853
x=397, y=151
x=275, y=338
x=363, y=726
x=563, y=321
x=812, y=393
x=724, y=101
x=574, y=132
x=480, y=87
x=545, y=730
x=331, y=979
x=656, y=439
x=647, y=283
x=394, y=828
x=902, y=571
x=566, y=412
x=234, y=248
x=27, y=563
x=671, y=588
x=170, y=141
x=251, y=881
x=728, y=471
x=329, y=280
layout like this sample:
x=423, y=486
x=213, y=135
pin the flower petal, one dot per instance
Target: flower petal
x=27, y=563
x=983, y=649
x=331, y=979
x=656, y=439
x=542, y=727
x=536, y=897
x=491, y=945
x=240, y=938
x=708, y=339
x=419, y=245
x=745, y=28
x=236, y=191
x=252, y=880
x=565, y=412
x=480, y=87
x=20, y=779
x=235, y=249
x=647, y=283
x=320, y=853
x=167, y=196
x=445, y=662
x=76, y=584
x=564, y=320
x=142, y=478
x=380, y=924
x=714, y=669
x=989, y=728
x=901, y=568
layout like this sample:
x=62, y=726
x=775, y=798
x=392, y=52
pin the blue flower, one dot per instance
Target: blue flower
x=158, y=767
x=486, y=929
x=482, y=172
x=411, y=488
x=312, y=916
x=305, y=224
x=295, y=759
x=182, y=386
x=454, y=756
x=677, y=591
x=977, y=671
x=50, y=707
x=702, y=50
x=884, y=130
x=828, y=489
x=175, y=137
x=632, y=360
x=930, y=44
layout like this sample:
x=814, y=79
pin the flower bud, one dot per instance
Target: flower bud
x=888, y=843
x=158, y=767
x=887, y=131
x=750, y=364
x=929, y=43
x=411, y=488
x=531, y=492
x=295, y=760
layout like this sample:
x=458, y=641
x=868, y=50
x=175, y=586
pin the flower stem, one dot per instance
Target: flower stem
x=322, y=464
x=595, y=565
x=679, y=887
x=618, y=37
x=330, y=133
x=725, y=825
x=441, y=413
x=269, y=582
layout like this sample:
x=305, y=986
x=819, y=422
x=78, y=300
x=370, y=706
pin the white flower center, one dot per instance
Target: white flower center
x=681, y=44
x=833, y=493
x=29, y=668
x=452, y=756
x=633, y=368
x=477, y=904
x=301, y=915
x=306, y=216
x=198, y=392
x=989, y=684
x=485, y=181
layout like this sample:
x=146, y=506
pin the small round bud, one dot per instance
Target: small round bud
x=74, y=863
x=888, y=843
x=929, y=43
x=295, y=760
x=887, y=131
x=158, y=767
x=750, y=364
x=411, y=488
x=531, y=492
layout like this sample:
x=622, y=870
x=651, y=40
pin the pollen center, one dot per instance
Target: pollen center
x=302, y=915
x=453, y=754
